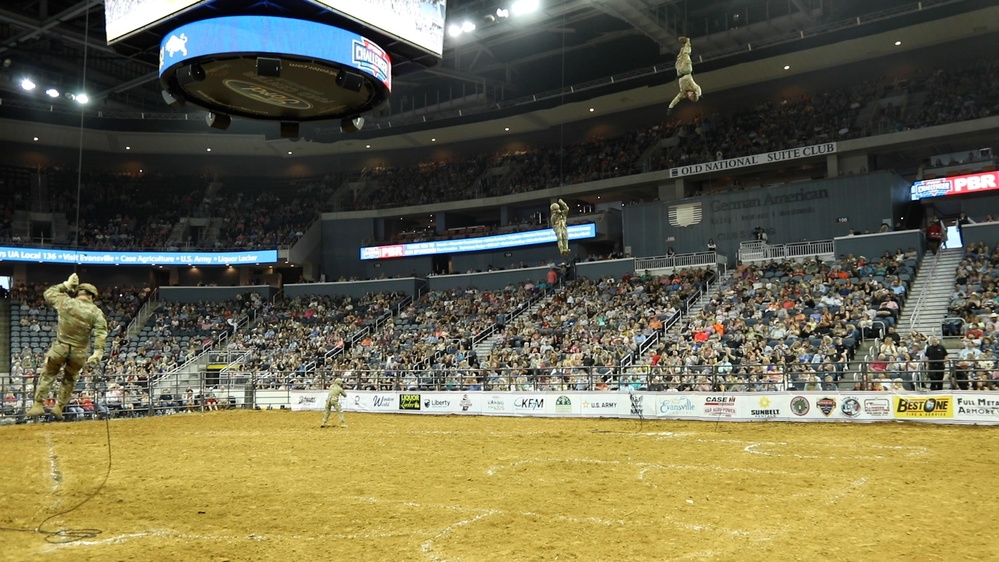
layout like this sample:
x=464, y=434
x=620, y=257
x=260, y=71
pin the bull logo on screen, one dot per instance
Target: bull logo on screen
x=688, y=214
x=173, y=46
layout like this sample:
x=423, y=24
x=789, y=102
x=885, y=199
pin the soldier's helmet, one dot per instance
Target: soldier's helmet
x=88, y=288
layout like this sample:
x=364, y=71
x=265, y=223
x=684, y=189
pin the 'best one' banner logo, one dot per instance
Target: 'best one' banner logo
x=919, y=407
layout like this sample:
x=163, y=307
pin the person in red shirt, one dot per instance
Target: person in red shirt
x=934, y=236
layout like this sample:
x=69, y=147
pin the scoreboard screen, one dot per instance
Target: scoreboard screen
x=124, y=17
x=417, y=22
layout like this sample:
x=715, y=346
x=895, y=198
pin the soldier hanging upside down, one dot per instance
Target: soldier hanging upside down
x=685, y=78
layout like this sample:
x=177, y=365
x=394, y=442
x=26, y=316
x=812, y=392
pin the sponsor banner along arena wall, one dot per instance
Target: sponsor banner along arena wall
x=959, y=407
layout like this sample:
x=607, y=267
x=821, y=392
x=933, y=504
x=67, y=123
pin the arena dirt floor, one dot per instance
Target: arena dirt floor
x=272, y=485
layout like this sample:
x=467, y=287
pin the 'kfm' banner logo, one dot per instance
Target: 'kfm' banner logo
x=919, y=407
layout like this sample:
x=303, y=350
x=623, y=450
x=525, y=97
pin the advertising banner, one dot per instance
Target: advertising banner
x=309, y=400
x=676, y=405
x=977, y=407
x=923, y=407
x=959, y=407
x=836, y=406
x=477, y=244
x=955, y=185
x=101, y=257
x=754, y=160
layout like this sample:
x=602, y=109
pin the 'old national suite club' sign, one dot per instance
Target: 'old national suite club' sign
x=754, y=160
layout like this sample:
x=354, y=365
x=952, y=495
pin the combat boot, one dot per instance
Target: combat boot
x=57, y=411
x=36, y=410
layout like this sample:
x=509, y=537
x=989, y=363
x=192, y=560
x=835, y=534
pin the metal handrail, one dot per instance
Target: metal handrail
x=924, y=292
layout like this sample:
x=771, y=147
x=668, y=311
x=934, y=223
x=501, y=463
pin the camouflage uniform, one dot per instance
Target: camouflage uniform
x=560, y=212
x=684, y=72
x=333, y=401
x=78, y=319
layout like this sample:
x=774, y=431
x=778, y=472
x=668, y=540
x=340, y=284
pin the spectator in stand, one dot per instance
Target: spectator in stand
x=935, y=355
x=935, y=233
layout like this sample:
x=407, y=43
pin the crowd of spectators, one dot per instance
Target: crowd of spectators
x=778, y=325
x=293, y=342
x=783, y=323
x=975, y=299
x=119, y=211
x=140, y=212
x=268, y=212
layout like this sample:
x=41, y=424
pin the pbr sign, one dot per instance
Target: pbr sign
x=955, y=185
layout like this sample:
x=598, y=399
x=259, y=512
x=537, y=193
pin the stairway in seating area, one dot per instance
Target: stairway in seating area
x=930, y=293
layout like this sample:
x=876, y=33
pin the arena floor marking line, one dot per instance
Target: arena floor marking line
x=853, y=486
x=752, y=448
x=169, y=534
x=54, y=472
x=643, y=466
x=428, y=546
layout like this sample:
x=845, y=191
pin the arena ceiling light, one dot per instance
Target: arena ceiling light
x=82, y=98
x=52, y=93
x=521, y=7
x=27, y=84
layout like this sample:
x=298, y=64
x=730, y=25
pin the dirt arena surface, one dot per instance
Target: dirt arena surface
x=272, y=485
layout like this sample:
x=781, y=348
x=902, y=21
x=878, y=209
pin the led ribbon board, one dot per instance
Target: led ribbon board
x=325, y=72
x=512, y=240
x=955, y=185
x=53, y=255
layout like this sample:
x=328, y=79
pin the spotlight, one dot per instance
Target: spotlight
x=454, y=30
x=467, y=27
x=501, y=13
x=82, y=99
x=190, y=74
x=352, y=124
x=350, y=81
x=268, y=67
x=218, y=120
x=289, y=130
x=27, y=84
x=521, y=7
x=52, y=93
x=172, y=101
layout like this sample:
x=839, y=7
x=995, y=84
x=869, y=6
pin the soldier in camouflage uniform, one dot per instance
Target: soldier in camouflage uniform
x=79, y=317
x=333, y=401
x=684, y=72
x=560, y=212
